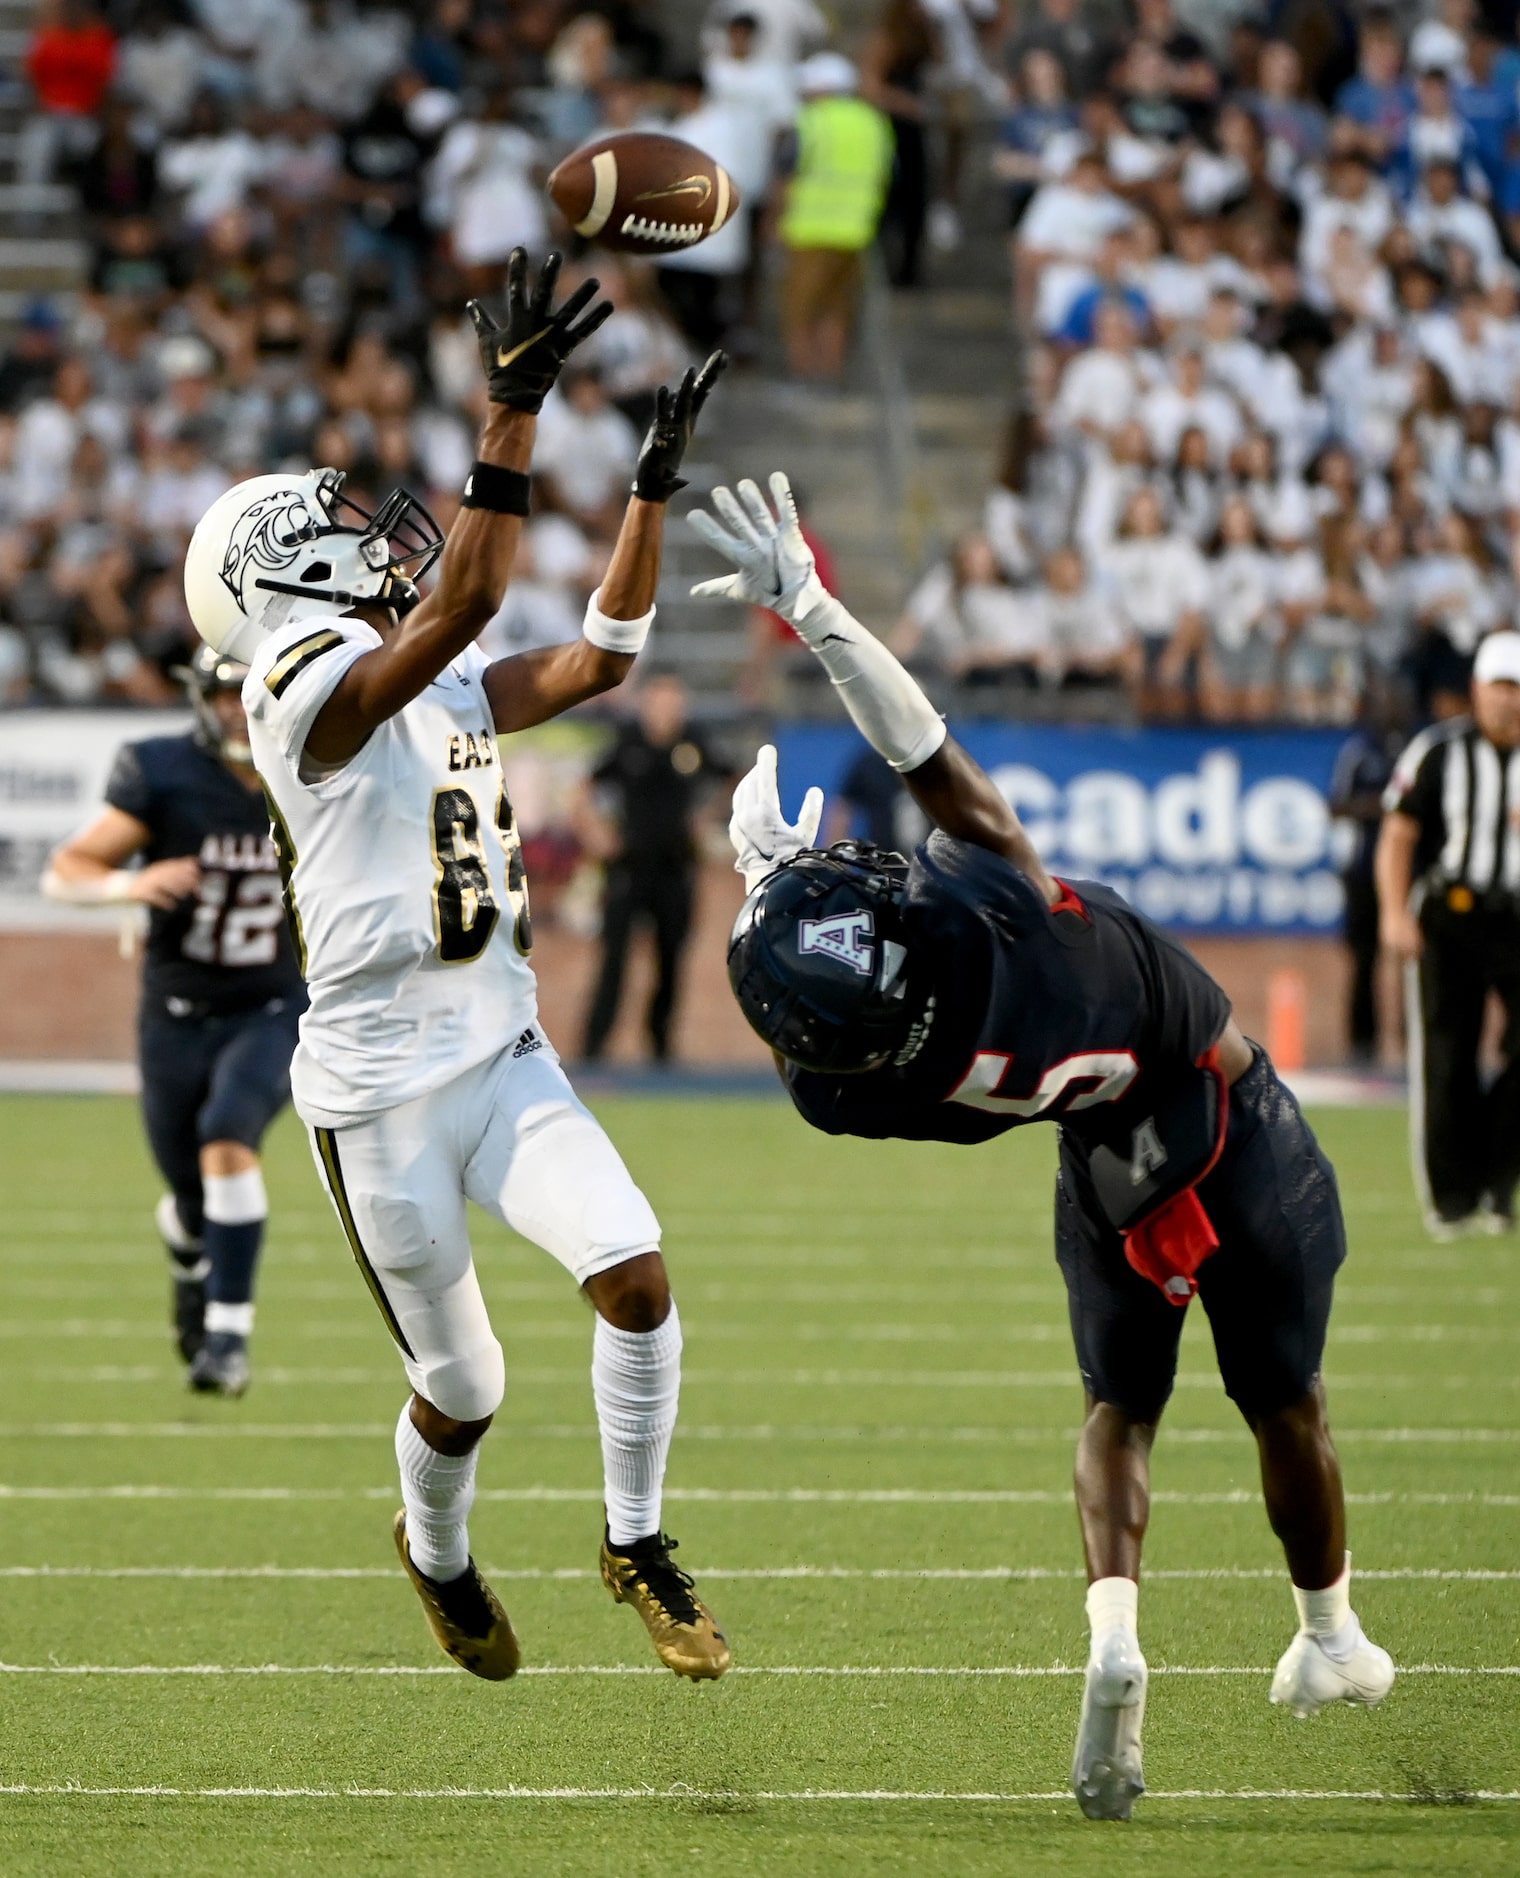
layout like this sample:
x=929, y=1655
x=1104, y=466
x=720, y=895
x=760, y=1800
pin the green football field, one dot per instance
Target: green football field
x=212, y=1665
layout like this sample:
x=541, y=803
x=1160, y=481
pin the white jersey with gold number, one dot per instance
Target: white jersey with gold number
x=404, y=878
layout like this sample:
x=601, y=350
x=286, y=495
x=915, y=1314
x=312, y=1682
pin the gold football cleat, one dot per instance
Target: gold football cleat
x=684, y=1632
x=465, y=1616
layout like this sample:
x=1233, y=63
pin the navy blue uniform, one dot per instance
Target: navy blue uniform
x=1088, y=1015
x=221, y=993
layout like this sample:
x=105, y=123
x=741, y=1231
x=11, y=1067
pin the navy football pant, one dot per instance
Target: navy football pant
x=1273, y=1202
x=211, y=1078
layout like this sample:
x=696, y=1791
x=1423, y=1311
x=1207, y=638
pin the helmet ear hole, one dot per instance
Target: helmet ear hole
x=317, y=570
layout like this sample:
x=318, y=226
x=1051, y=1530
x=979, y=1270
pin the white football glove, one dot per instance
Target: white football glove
x=775, y=564
x=763, y=838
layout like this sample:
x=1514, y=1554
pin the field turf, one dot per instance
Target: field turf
x=871, y=1477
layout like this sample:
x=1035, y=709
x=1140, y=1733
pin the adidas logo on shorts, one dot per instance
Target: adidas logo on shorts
x=526, y=1044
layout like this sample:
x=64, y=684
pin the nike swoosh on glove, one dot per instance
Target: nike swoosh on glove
x=523, y=356
x=762, y=836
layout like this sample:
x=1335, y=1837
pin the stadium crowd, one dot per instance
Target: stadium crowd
x=1269, y=446
x=287, y=203
x=1270, y=454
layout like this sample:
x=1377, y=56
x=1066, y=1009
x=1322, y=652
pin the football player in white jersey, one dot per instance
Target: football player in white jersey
x=422, y=1075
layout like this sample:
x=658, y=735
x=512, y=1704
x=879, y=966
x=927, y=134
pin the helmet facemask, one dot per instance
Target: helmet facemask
x=379, y=557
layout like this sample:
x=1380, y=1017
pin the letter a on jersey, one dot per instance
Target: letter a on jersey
x=845, y=937
x=1147, y=1156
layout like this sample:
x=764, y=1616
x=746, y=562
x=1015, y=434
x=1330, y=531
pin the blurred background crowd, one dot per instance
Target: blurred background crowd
x=1256, y=376
x=1266, y=329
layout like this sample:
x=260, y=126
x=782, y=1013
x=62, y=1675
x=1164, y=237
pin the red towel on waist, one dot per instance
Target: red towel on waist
x=1169, y=1247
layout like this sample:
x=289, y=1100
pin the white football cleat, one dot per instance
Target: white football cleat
x=1307, y=1679
x=1105, y=1771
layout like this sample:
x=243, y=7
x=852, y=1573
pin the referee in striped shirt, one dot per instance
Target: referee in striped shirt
x=1448, y=876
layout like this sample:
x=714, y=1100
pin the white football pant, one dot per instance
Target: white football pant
x=512, y=1135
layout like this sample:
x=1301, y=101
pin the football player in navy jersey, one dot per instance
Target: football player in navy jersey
x=966, y=992
x=221, y=996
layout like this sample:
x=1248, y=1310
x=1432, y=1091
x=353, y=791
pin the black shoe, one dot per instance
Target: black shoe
x=189, y=1268
x=187, y=1310
x=221, y=1364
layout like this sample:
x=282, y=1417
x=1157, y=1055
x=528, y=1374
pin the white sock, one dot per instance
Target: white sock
x=636, y=1380
x=1112, y=1604
x=1327, y=1615
x=437, y=1491
x=238, y=1318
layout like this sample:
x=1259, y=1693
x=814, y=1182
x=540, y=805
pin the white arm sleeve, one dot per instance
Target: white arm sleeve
x=886, y=702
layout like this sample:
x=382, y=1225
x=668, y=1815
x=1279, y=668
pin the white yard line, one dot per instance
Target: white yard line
x=709, y=1431
x=991, y=1574
x=1009, y=1671
x=575, y=1375
x=803, y=1796
x=742, y=1496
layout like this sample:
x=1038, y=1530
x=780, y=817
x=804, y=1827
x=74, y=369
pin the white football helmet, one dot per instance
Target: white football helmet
x=277, y=542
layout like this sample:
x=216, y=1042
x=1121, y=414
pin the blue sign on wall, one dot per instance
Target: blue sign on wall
x=1224, y=832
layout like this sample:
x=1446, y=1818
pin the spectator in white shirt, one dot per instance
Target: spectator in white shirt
x=49, y=432
x=1194, y=489
x=1239, y=676
x=1354, y=200
x=1112, y=476
x=483, y=187
x=1441, y=215
x=160, y=68
x=786, y=30
x=1102, y=387
x=964, y=620
x=1162, y=588
x=1453, y=589
x=1188, y=401
x=585, y=452
x=1091, y=641
x=1066, y=221
x=1178, y=284
x=214, y=167
x=701, y=284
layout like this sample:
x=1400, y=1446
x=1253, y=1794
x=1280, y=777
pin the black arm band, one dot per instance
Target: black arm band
x=501, y=491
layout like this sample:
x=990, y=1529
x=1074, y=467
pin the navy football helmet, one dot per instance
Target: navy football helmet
x=208, y=673
x=818, y=959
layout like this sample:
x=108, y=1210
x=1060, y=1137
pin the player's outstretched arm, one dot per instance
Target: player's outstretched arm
x=775, y=569
x=521, y=358
x=531, y=687
x=90, y=869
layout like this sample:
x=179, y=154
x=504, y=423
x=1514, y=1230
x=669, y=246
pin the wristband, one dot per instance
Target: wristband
x=615, y=635
x=113, y=889
x=499, y=491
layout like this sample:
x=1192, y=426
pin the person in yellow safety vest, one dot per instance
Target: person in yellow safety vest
x=833, y=206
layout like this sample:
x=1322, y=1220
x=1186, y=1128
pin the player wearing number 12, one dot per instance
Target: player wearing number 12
x=221, y=995
x=422, y=1074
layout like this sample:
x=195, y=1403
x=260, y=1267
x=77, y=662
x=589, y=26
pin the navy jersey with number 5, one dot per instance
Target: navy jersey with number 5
x=1083, y=1012
x=227, y=947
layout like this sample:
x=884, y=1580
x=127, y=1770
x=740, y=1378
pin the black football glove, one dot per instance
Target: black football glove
x=658, y=477
x=523, y=357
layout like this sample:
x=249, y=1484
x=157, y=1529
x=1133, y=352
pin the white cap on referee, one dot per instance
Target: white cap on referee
x=1498, y=660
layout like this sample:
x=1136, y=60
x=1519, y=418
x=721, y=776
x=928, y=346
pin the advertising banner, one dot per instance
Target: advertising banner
x=1225, y=832
x=53, y=770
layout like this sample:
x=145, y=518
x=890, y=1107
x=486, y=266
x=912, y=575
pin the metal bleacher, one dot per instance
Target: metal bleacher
x=42, y=246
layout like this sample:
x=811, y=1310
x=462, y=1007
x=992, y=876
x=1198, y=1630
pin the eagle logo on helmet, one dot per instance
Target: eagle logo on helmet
x=258, y=540
x=844, y=937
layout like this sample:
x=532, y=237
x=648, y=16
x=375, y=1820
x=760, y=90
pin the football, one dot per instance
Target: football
x=643, y=193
